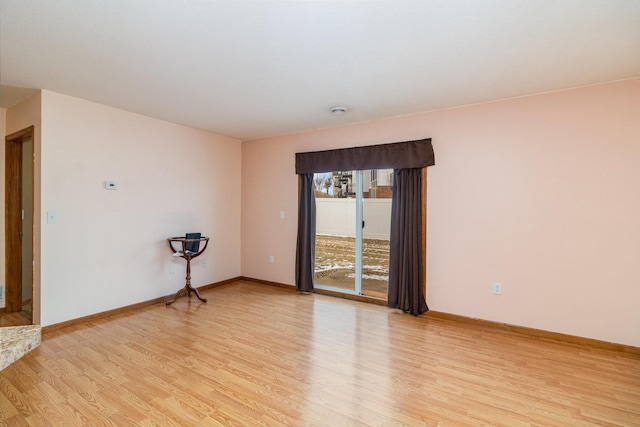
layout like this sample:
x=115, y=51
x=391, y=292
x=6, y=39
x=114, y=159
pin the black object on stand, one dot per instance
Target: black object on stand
x=190, y=248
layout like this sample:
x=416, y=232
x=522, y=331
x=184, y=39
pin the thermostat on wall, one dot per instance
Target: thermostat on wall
x=111, y=185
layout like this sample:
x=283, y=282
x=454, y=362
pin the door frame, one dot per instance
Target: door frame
x=13, y=218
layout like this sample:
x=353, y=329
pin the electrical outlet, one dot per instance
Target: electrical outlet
x=271, y=260
x=497, y=288
x=172, y=268
x=204, y=263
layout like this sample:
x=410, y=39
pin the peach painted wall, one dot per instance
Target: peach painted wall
x=108, y=248
x=540, y=193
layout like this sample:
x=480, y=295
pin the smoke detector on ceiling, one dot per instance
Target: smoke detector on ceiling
x=338, y=111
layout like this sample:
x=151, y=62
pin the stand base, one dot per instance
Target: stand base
x=187, y=289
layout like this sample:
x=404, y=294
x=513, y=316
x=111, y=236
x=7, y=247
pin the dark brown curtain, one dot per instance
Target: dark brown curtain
x=407, y=155
x=398, y=155
x=406, y=275
x=306, y=245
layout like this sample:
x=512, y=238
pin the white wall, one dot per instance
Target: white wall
x=108, y=249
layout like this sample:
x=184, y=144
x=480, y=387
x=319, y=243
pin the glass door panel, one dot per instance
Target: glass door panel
x=335, y=262
x=377, y=190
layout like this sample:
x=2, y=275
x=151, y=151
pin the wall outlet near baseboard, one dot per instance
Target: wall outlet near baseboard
x=271, y=260
x=497, y=288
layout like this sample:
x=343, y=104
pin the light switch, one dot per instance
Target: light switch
x=52, y=217
x=281, y=214
x=111, y=185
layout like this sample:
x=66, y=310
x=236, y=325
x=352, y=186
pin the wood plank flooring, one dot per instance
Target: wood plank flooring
x=14, y=319
x=261, y=355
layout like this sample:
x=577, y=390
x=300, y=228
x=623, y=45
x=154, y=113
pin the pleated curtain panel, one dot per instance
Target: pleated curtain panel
x=406, y=258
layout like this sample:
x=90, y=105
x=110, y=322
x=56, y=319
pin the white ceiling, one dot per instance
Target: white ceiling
x=251, y=69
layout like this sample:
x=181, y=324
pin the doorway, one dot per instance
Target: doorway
x=19, y=167
x=353, y=216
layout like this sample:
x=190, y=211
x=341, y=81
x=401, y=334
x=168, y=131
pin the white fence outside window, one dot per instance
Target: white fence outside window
x=337, y=217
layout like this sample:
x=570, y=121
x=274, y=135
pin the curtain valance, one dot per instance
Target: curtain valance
x=398, y=155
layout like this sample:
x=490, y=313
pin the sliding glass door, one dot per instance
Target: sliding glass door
x=352, y=231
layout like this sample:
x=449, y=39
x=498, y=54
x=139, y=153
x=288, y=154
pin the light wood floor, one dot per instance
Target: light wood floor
x=261, y=355
x=14, y=319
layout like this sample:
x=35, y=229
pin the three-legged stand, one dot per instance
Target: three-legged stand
x=188, y=256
